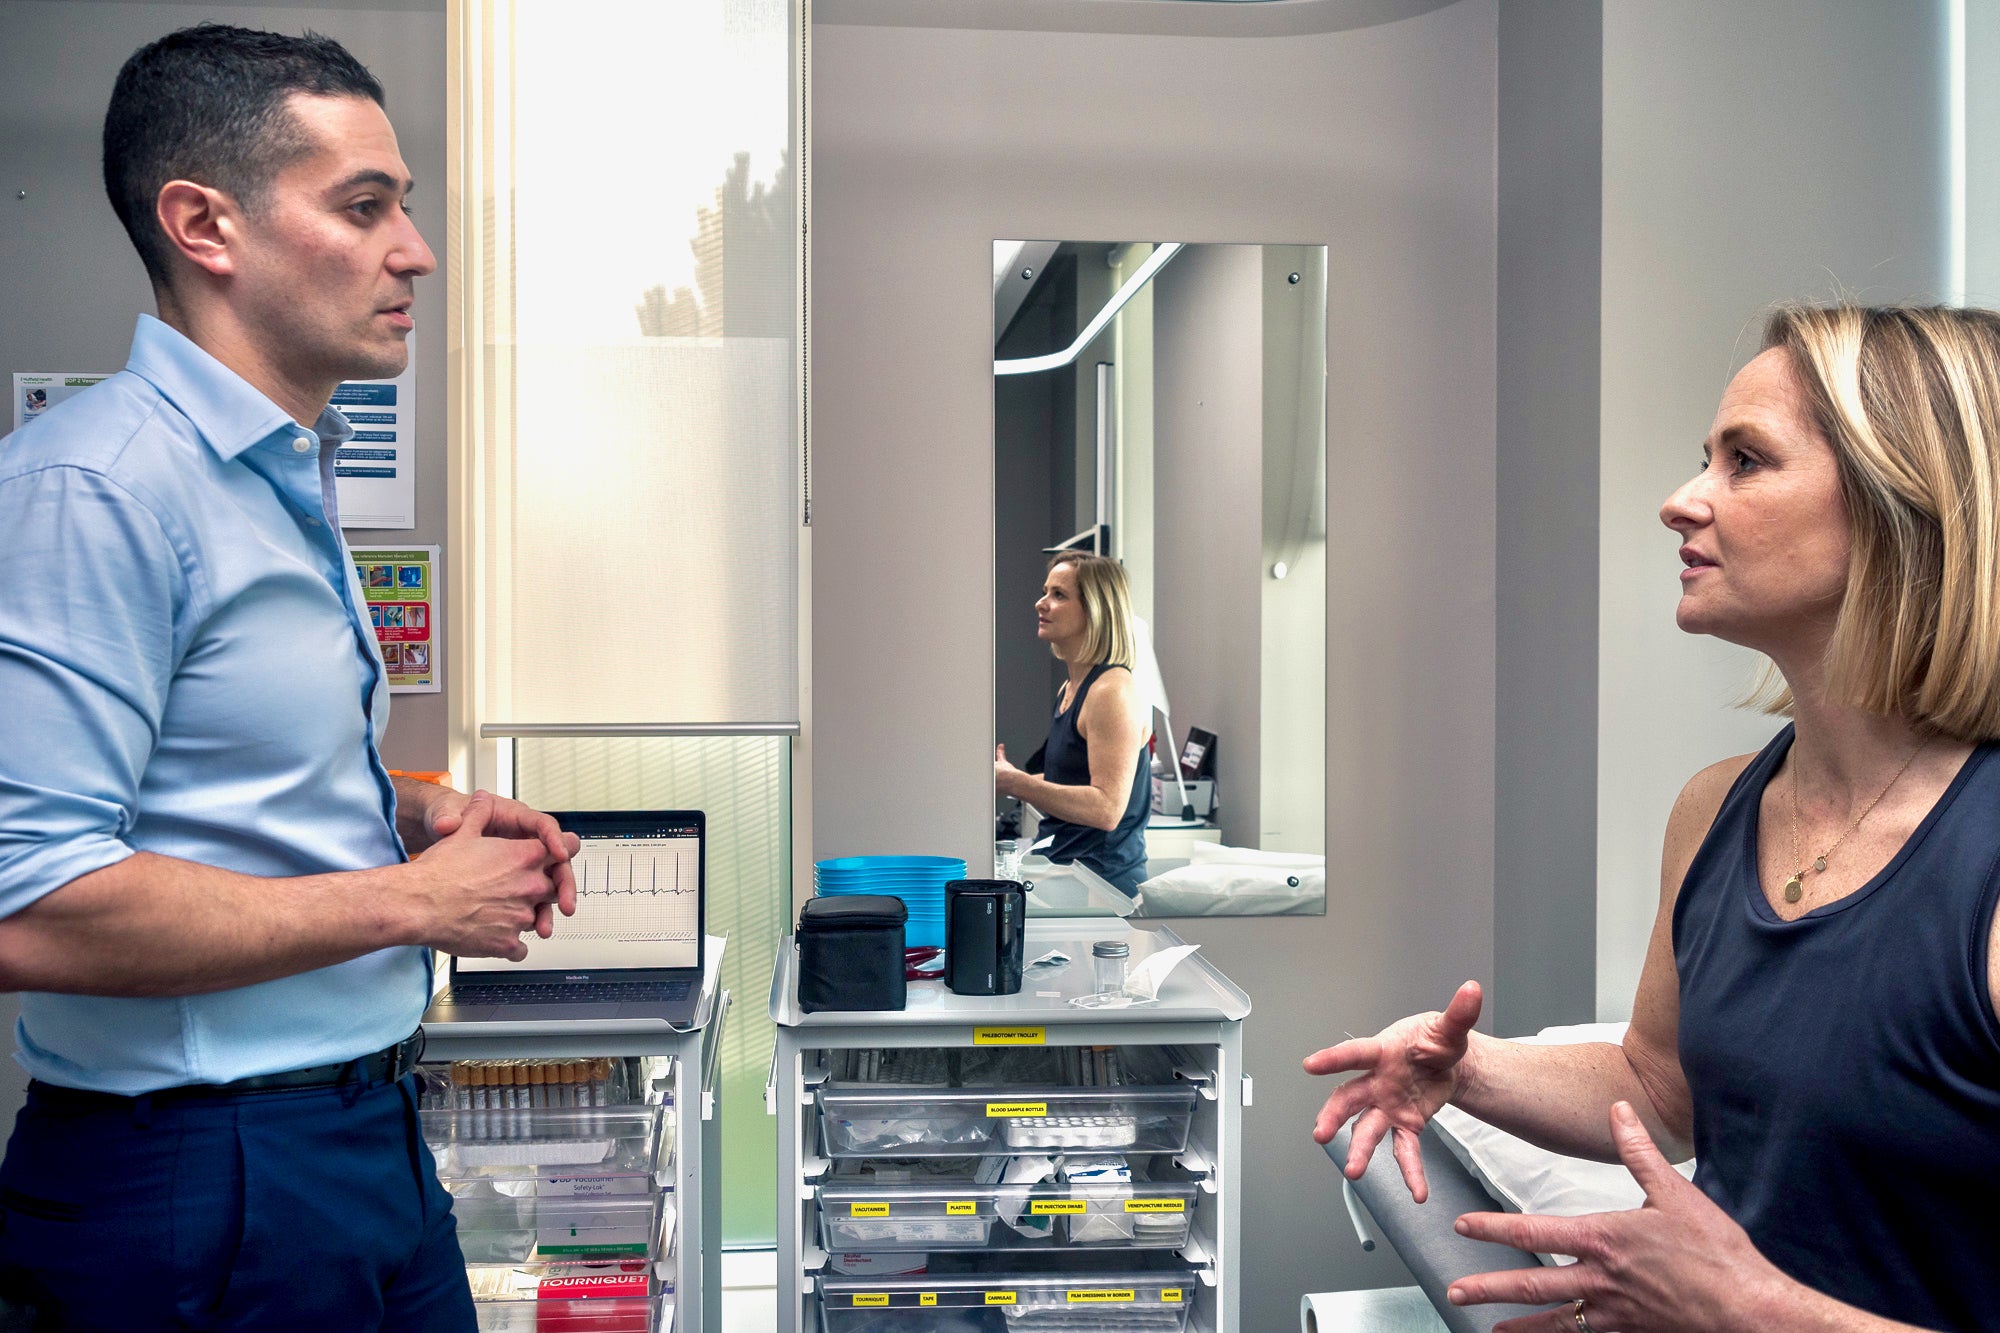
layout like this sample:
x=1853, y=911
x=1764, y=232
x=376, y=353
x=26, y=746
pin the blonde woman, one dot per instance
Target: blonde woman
x=1096, y=785
x=1818, y=1020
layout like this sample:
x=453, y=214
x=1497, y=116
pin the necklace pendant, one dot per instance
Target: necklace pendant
x=1794, y=887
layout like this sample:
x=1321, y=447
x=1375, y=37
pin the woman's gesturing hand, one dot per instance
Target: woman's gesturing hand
x=1677, y=1263
x=1408, y=1070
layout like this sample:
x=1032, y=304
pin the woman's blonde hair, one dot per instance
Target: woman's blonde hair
x=1909, y=399
x=1107, y=606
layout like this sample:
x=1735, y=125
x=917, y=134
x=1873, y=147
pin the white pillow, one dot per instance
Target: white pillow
x=1235, y=890
x=1214, y=853
x=1527, y=1179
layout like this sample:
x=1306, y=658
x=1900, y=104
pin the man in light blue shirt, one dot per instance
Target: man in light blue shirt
x=204, y=892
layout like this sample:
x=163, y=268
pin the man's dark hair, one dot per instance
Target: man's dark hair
x=207, y=104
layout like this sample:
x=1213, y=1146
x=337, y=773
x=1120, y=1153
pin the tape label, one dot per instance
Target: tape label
x=927, y=1298
x=1009, y=1036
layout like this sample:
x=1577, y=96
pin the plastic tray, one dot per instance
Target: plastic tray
x=496, y=1228
x=863, y=1120
x=570, y=1301
x=1153, y=1302
x=858, y=1215
x=538, y=1142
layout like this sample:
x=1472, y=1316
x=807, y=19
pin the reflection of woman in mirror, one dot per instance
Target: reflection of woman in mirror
x=1095, y=787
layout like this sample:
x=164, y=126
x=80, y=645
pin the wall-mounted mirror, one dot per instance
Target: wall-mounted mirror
x=1159, y=442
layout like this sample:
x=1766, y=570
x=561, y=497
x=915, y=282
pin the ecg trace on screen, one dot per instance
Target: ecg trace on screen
x=636, y=889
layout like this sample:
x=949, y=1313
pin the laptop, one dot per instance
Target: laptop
x=632, y=951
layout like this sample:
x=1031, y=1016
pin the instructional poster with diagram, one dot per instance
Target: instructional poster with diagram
x=38, y=391
x=375, y=473
x=401, y=589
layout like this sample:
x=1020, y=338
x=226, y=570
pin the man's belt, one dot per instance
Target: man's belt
x=384, y=1066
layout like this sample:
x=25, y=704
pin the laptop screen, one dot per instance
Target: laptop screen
x=638, y=897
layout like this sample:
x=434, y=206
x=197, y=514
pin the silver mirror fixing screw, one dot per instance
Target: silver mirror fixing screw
x=1293, y=279
x=1027, y=273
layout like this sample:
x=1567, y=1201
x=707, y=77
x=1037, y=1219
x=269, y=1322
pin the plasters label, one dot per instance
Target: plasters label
x=961, y=1208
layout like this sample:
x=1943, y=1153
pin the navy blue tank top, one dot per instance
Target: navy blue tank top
x=1119, y=855
x=1846, y=1066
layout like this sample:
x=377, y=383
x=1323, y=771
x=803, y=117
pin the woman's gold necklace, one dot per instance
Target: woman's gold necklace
x=1795, y=886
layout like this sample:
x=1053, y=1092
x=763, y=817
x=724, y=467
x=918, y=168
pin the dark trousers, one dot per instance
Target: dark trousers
x=293, y=1211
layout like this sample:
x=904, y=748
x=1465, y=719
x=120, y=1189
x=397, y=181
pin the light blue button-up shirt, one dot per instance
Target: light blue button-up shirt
x=187, y=668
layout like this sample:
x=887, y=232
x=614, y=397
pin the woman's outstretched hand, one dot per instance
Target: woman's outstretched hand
x=1408, y=1070
x=1674, y=1265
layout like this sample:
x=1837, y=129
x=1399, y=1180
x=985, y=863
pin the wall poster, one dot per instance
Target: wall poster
x=375, y=473
x=401, y=588
x=36, y=392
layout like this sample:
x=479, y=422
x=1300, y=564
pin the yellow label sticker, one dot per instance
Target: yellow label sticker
x=1150, y=1205
x=1009, y=1036
x=862, y=1298
x=961, y=1207
x=999, y=1298
x=1009, y=1110
x=1046, y=1207
x=868, y=1210
x=1171, y=1295
x=927, y=1298
x=1101, y=1296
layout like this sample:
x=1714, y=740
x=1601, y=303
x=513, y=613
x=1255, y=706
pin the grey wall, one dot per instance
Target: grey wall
x=1752, y=153
x=1208, y=510
x=72, y=285
x=931, y=143
x=1545, y=703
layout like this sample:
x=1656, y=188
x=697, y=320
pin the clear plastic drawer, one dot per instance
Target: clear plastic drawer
x=530, y=1143
x=1156, y=1301
x=860, y=1215
x=858, y=1120
x=501, y=1222
x=587, y=1300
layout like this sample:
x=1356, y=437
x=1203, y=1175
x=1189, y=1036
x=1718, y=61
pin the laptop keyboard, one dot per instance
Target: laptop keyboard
x=602, y=992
